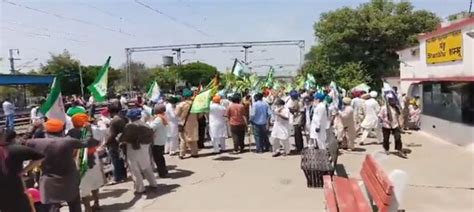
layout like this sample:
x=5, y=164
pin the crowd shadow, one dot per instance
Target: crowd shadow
x=179, y=173
x=150, y=194
x=106, y=193
x=226, y=158
x=359, y=149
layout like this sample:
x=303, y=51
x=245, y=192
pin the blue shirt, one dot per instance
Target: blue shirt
x=260, y=113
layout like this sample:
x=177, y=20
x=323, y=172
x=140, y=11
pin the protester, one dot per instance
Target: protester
x=296, y=108
x=189, y=132
x=35, y=114
x=202, y=123
x=281, y=129
x=138, y=136
x=60, y=177
x=9, y=112
x=172, y=143
x=92, y=177
x=319, y=122
x=405, y=112
x=390, y=116
x=348, y=132
x=117, y=124
x=259, y=117
x=308, y=116
x=124, y=101
x=371, y=121
x=357, y=104
x=217, y=125
x=238, y=124
x=414, y=119
x=159, y=125
x=12, y=157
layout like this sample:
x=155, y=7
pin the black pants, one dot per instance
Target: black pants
x=158, y=152
x=298, y=137
x=74, y=205
x=238, y=136
x=202, y=132
x=386, y=137
x=119, y=171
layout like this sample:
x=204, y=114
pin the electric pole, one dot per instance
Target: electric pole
x=246, y=47
x=12, y=59
x=178, y=55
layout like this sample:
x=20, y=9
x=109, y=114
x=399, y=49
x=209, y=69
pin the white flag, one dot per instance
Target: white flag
x=53, y=108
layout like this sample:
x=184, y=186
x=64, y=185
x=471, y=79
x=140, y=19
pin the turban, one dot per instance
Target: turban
x=365, y=96
x=294, y=94
x=134, y=114
x=187, y=93
x=328, y=99
x=319, y=96
x=347, y=100
x=54, y=126
x=216, y=99
x=373, y=94
x=80, y=120
x=75, y=110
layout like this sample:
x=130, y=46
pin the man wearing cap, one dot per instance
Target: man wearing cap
x=371, y=120
x=172, y=144
x=159, y=125
x=189, y=123
x=60, y=177
x=319, y=121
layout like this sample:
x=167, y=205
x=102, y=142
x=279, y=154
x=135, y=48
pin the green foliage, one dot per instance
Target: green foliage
x=365, y=38
x=166, y=78
x=196, y=73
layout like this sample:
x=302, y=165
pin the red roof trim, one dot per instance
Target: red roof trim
x=452, y=27
x=459, y=79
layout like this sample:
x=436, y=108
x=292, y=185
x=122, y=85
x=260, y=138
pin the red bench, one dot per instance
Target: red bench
x=343, y=194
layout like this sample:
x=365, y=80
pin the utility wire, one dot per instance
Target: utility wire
x=172, y=18
x=67, y=18
x=43, y=28
x=35, y=34
x=102, y=11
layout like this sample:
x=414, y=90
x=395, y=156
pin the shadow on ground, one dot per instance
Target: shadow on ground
x=340, y=170
x=179, y=173
x=150, y=194
x=106, y=193
x=226, y=158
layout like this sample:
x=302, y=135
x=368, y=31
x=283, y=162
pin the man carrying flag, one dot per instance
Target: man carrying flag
x=154, y=93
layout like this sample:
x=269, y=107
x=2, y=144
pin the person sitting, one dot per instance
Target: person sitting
x=414, y=120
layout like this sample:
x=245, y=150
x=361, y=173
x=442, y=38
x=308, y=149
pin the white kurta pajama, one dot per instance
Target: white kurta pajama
x=172, y=144
x=371, y=120
x=217, y=126
x=139, y=162
x=281, y=130
x=93, y=179
x=320, y=121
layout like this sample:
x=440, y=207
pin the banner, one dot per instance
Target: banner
x=202, y=102
x=444, y=48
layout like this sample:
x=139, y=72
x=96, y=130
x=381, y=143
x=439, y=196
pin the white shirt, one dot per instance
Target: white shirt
x=123, y=102
x=217, y=123
x=281, y=127
x=172, y=121
x=160, y=131
x=320, y=121
x=34, y=113
x=371, y=111
x=8, y=108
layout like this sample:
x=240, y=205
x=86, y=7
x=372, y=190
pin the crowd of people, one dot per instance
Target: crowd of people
x=64, y=157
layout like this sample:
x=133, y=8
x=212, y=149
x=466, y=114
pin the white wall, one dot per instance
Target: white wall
x=453, y=132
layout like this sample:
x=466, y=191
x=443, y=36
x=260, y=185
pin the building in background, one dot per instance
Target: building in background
x=440, y=70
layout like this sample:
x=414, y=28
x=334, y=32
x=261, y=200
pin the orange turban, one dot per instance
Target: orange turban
x=54, y=126
x=216, y=99
x=80, y=120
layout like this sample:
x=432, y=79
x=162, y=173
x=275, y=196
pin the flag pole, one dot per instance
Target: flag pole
x=82, y=82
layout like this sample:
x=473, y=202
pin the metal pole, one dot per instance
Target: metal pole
x=246, y=47
x=12, y=60
x=128, y=67
x=82, y=82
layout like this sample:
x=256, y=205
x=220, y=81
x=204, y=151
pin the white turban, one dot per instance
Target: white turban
x=373, y=94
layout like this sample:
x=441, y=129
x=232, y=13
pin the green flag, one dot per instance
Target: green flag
x=269, y=79
x=53, y=108
x=98, y=88
x=202, y=102
x=154, y=92
x=238, y=68
x=310, y=82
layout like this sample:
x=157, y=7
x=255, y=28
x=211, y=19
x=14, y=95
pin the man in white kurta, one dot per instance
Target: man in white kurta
x=217, y=124
x=172, y=144
x=281, y=129
x=319, y=122
x=371, y=120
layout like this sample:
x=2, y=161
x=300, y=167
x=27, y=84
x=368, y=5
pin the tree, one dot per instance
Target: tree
x=64, y=66
x=196, y=73
x=166, y=78
x=365, y=38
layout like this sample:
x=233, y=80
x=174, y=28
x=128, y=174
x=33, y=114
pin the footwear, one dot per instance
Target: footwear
x=194, y=156
x=387, y=152
x=361, y=143
x=181, y=157
x=276, y=154
x=173, y=153
x=138, y=193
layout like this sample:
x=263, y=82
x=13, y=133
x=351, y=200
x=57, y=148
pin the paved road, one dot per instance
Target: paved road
x=441, y=178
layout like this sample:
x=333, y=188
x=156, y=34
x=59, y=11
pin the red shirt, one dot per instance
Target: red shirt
x=236, y=113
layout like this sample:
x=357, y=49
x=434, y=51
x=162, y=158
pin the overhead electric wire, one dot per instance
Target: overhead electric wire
x=35, y=34
x=68, y=18
x=102, y=11
x=172, y=18
x=43, y=28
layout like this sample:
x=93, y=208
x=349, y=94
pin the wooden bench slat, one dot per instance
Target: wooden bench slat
x=375, y=190
x=344, y=195
x=380, y=174
x=331, y=205
x=360, y=200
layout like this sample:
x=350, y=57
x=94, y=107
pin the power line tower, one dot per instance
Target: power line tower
x=12, y=59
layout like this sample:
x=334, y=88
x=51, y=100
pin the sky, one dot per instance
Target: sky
x=95, y=29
